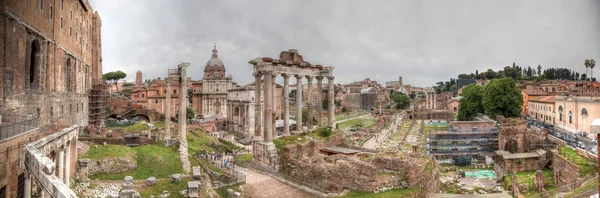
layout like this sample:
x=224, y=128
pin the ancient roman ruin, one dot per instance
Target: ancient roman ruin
x=290, y=63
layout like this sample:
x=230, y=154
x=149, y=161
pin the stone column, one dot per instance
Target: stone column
x=68, y=164
x=331, y=100
x=183, y=146
x=309, y=106
x=319, y=101
x=286, y=105
x=27, y=192
x=298, y=103
x=268, y=114
x=434, y=100
x=426, y=100
x=167, y=132
x=60, y=165
x=274, y=103
x=257, y=105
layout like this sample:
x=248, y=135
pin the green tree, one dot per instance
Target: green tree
x=471, y=103
x=511, y=72
x=502, y=97
x=490, y=74
x=402, y=100
x=114, y=77
x=305, y=116
x=127, y=92
x=189, y=113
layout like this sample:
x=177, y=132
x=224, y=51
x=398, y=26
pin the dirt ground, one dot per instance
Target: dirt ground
x=259, y=185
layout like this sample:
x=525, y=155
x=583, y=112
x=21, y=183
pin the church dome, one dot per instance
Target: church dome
x=214, y=66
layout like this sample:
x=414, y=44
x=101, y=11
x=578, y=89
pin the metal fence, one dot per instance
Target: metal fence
x=14, y=125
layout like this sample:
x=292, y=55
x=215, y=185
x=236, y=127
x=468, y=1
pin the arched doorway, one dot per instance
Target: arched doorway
x=33, y=67
x=511, y=146
x=68, y=72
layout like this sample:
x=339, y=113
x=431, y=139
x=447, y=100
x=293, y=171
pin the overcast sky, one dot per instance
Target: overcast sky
x=423, y=41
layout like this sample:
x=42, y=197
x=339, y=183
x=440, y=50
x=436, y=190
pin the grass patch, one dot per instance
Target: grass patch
x=358, y=123
x=409, y=192
x=152, y=160
x=590, y=185
x=135, y=128
x=109, y=151
x=243, y=159
x=586, y=166
x=161, y=186
x=212, y=168
x=528, y=177
x=300, y=138
x=200, y=141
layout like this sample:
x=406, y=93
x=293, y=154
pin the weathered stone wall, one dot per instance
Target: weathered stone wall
x=352, y=102
x=512, y=135
x=9, y=166
x=113, y=165
x=566, y=173
x=338, y=172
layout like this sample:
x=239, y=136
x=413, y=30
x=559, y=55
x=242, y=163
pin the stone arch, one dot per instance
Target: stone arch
x=217, y=107
x=68, y=72
x=144, y=117
x=511, y=146
x=570, y=117
x=34, y=63
x=584, y=112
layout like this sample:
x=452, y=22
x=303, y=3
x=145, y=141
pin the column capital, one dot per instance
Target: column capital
x=257, y=74
x=168, y=80
x=330, y=77
x=274, y=74
x=284, y=75
x=309, y=78
x=299, y=77
x=319, y=77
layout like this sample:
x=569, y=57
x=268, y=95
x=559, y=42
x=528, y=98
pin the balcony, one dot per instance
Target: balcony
x=15, y=125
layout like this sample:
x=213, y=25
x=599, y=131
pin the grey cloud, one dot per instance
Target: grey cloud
x=423, y=41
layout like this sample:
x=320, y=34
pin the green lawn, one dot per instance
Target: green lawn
x=387, y=194
x=135, y=128
x=152, y=160
x=298, y=138
x=109, y=151
x=586, y=166
x=358, y=123
x=161, y=186
x=199, y=141
x=529, y=178
x=243, y=159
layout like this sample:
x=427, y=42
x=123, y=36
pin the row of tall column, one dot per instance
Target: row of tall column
x=264, y=130
x=63, y=168
x=430, y=101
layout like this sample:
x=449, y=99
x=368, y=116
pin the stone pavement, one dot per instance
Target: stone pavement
x=259, y=185
x=380, y=137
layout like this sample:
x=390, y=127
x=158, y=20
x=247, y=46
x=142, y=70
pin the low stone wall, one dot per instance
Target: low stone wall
x=117, y=141
x=114, y=165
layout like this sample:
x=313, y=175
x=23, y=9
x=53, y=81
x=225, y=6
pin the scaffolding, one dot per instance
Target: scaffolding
x=446, y=143
x=98, y=101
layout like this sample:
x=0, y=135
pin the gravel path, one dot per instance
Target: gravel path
x=259, y=185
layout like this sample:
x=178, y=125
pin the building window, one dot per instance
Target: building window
x=51, y=12
x=70, y=31
x=174, y=91
x=51, y=111
x=560, y=117
x=584, y=112
x=71, y=15
x=61, y=22
x=62, y=4
x=156, y=101
x=570, y=118
x=42, y=5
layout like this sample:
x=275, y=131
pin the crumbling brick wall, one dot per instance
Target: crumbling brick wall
x=566, y=173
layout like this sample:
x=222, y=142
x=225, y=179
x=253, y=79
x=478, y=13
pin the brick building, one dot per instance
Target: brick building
x=50, y=57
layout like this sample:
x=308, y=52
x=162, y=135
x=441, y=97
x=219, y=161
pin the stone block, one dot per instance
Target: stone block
x=126, y=185
x=176, y=178
x=193, y=188
x=129, y=194
x=151, y=181
x=196, y=172
x=128, y=179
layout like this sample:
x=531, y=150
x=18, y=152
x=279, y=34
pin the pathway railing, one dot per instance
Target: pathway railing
x=14, y=125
